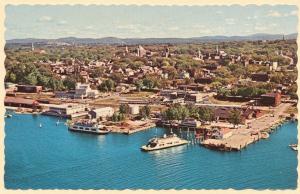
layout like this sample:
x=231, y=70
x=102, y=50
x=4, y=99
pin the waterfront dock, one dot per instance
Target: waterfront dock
x=130, y=127
x=244, y=136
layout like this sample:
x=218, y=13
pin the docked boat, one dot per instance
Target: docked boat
x=264, y=135
x=8, y=116
x=294, y=147
x=88, y=126
x=164, y=142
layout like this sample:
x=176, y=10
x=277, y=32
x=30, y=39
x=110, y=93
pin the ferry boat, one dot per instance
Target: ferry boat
x=88, y=126
x=164, y=142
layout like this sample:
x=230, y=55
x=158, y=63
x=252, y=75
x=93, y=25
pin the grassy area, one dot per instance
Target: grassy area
x=138, y=95
x=215, y=101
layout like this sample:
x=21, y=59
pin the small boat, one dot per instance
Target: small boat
x=8, y=116
x=265, y=135
x=294, y=147
x=163, y=142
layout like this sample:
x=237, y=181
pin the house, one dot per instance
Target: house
x=260, y=77
x=192, y=87
x=203, y=80
x=270, y=99
x=104, y=112
x=29, y=88
x=198, y=97
x=223, y=114
x=192, y=123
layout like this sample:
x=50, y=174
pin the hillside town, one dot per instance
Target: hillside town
x=230, y=94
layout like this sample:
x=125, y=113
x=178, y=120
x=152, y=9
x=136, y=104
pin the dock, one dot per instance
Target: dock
x=244, y=136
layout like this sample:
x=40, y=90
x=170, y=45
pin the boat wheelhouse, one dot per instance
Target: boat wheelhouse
x=88, y=126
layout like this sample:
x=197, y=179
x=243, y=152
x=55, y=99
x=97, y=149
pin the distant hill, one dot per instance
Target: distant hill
x=133, y=41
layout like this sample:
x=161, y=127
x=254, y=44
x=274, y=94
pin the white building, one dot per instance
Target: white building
x=134, y=109
x=84, y=91
x=274, y=65
x=66, y=110
x=101, y=112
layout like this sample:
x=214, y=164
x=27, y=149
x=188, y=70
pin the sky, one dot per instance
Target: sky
x=97, y=21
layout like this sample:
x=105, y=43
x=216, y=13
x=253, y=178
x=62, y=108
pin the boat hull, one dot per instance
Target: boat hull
x=146, y=149
x=90, y=132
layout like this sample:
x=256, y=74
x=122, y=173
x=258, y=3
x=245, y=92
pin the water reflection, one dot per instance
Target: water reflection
x=101, y=139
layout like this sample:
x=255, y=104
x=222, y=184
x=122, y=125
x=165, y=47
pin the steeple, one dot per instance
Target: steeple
x=32, y=47
x=217, y=49
x=138, y=51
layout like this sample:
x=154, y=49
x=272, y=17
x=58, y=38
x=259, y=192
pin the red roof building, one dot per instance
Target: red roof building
x=20, y=102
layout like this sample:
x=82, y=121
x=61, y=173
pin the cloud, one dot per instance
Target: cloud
x=89, y=27
x=230, y=21
x=292, y=13
x=273, y=13
x=45, y=19
x=173, y=28
x=252, y=17
x=62, y=22
x=201, y=29
x=260, y=27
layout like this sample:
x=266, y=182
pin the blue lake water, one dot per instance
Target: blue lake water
x=52, y=157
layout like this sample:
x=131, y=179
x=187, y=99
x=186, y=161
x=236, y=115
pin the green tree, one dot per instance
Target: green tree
x=124, y=108
x=139, y=85
x=107, y=85
x=205, y=113
x=145, y=111
x=235, y=117
x=70, y=83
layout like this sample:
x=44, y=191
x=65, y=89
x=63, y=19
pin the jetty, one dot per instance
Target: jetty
x=244, y=135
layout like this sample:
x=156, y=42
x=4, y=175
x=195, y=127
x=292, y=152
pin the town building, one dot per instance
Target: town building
x=102, y=113
x=29, y=88
x=260, y=77
x=84, y=91
x=66, y=110
x=192, y=123
x=134, y=109
x=20, y=102
x=270, y=99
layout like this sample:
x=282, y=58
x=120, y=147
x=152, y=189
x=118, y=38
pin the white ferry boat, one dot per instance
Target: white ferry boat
x=164, y=142
x=88, y=126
